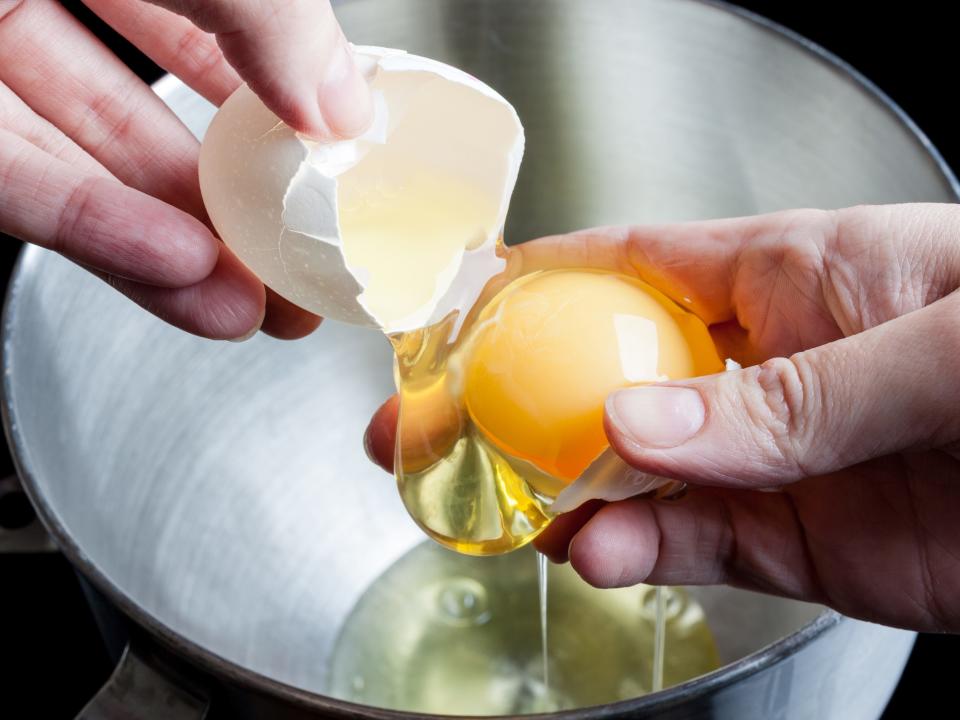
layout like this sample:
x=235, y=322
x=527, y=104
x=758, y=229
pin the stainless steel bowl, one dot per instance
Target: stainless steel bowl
x=217, y=495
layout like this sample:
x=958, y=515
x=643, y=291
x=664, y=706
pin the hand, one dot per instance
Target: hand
x=853, y=413
x=94, y=165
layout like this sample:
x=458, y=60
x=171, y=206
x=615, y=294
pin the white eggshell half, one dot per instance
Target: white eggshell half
x=274, y=196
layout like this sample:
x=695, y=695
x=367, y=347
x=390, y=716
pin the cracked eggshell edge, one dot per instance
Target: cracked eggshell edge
x=258, y=177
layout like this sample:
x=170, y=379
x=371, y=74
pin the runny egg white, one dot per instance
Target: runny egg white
x=502, y=375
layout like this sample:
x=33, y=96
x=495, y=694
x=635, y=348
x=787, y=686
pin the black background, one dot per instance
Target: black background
x=51, y=658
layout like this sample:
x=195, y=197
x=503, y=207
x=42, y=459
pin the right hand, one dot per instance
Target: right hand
x=95, y=166
x=848, y=323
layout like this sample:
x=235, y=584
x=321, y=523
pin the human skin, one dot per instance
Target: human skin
x=95, y=166
x=848, y=408
x=848, y=321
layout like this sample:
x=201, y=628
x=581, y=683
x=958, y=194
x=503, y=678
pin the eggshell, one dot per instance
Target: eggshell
x=272, y=194
x=606, y=478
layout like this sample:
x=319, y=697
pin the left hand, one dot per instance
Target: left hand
x=95, y=166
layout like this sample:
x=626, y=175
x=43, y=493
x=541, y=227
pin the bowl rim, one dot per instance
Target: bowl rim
x=220, y=667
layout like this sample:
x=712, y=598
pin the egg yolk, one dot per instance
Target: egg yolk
x=549, y=348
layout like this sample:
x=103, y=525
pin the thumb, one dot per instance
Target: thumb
x=293, y=55
x=894, y=387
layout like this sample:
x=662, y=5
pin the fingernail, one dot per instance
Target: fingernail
x=345, y=96
x=252, y=331
x=368, y=446
x=243, y=338
x=658, y=417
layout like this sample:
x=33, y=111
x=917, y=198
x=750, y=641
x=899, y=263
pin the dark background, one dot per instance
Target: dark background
x=51, y=658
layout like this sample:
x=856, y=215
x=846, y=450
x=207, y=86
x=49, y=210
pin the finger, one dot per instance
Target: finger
x=869, y=543
x=697, y=264
x=226, y=305
x=294, y=57
x=691, y=252
x=85, y=91
x=748, y=539
x=98, y=221
x=891, y=388
x=286, y=321
x=904, y=256
x=380, y=439
x=172, y=42
x=17, y=117
x=554, y=542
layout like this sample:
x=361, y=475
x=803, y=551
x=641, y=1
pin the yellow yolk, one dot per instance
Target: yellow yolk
x=549, y=349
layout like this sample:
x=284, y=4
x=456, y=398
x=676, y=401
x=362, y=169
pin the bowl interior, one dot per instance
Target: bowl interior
x=223, y=487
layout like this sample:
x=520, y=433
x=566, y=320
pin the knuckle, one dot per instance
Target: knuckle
x=805, y=236
x=803, y=219
x=200, y=51
x=14, y=158
x=73, y=228
x=210, y=16
x=8, y=8
x=778, y=400
x=117, y=117
x=109, y=121
x=192, y=42
x=782, y=392
x=226, y=18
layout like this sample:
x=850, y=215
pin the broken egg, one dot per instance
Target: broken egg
x=502, y=367
x=392, y=230
x=502, y=425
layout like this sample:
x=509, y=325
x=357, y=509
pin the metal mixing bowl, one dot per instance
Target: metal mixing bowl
x=216, y=495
